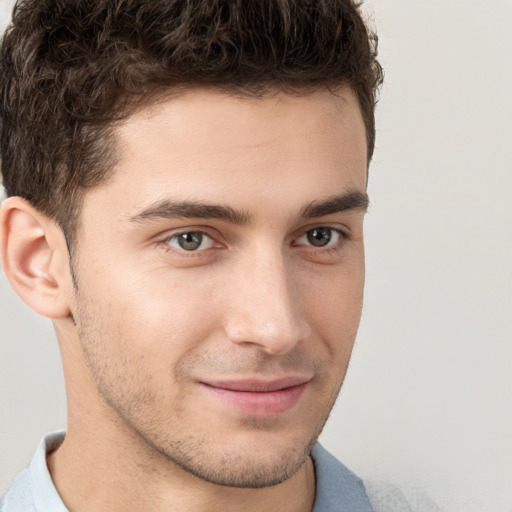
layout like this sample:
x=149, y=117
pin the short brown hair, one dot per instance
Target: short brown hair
x=69, y=69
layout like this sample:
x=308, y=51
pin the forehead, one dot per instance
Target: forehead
x=240, y=120
x=208, y=145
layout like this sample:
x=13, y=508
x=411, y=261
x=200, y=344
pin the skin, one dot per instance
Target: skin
x=156, y=324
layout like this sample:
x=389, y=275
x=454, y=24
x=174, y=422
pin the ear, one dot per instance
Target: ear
x=35, y=258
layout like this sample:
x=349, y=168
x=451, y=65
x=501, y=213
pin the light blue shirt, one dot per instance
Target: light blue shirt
x=337, y=488
x=33, y=489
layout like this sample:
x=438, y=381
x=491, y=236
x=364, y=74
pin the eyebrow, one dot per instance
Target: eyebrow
x=169, y=209
x=349, y=201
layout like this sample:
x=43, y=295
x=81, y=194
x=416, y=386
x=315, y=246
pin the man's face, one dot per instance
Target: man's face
x=220, y=279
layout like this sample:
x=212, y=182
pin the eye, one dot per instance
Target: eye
x=320, y=237
x=190, y=241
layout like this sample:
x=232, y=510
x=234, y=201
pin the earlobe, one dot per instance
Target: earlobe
x=32, y=258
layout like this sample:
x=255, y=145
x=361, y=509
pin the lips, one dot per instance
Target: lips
x=258, y=397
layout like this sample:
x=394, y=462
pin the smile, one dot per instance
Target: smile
x=257, y=397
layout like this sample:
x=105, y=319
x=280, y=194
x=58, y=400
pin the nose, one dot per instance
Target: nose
x=265, y=306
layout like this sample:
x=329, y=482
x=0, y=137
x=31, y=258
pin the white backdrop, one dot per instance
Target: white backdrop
x=428, y=399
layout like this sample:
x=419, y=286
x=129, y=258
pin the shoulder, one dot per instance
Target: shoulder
x=18, y=497
x=337, y=488
x=33, y=489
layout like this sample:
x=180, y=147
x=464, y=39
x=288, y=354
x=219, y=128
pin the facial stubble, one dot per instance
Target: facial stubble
x=114, y=376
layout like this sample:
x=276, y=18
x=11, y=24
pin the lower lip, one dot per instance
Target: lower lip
x=265, y=403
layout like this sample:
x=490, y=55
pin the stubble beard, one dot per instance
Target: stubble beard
x=193, y=453
x=238, y=469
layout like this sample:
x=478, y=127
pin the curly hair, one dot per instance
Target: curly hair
x=71, y=69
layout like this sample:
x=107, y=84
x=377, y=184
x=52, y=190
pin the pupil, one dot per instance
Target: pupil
x=190, y=241
x=319, y=236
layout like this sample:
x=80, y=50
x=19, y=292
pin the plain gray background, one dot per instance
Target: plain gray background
x=428, y=399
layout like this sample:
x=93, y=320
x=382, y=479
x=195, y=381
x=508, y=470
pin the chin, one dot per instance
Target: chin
x=249, y=471
x=245, y=461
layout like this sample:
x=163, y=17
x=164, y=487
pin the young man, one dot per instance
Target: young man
x=186, y=188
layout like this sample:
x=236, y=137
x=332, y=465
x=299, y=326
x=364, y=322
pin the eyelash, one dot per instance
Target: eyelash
x=183, y=252
x=336, y=246
x=343, y=236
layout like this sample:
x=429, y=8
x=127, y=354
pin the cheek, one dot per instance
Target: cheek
x=334, y=306
x=138, y=289
x=154, y=319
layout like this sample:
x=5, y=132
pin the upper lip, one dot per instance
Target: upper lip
x=258, y=385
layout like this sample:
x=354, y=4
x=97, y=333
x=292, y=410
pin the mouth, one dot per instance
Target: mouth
x=258, y=397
